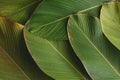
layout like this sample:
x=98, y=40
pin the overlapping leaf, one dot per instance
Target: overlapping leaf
x=15, y=61
x=55, y=58
x=18, y=10
x=99, y=56
x=50, y=17
x=110, y=20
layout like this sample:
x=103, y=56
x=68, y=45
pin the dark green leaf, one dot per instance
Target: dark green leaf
x=50, y=18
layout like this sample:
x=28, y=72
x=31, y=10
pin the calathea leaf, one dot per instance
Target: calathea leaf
x=98, y=55
x=15, y=61
x=55, y=58
x=110, y=20
x=50, y=18
x=19, y=10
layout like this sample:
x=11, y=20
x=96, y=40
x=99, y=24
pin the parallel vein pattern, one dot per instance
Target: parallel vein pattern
x=50, y=17
x=13, y=46
x=98, y=55
x=55, y=58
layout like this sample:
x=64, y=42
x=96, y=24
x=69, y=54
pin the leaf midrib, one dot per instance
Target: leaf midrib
x=59, y=53
x=65, y=17
x=98, y=51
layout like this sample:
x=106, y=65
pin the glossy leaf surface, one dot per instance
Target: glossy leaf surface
x=98, y=55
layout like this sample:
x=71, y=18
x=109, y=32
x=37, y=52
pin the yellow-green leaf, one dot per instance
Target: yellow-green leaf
x=110, y=20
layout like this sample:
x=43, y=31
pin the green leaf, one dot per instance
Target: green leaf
x=110, y=21
x=9, y=69
x=50, y=17
x=19, y=10
x=98, y=55
x=17, y=57
x=55, y=58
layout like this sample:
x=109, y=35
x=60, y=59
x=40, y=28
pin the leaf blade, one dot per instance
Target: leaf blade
x=94, y=50
x=59, y=64
x=52, y=13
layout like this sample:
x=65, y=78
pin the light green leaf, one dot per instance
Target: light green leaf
x=50, y=17
x=18, y=60
x=98, y=55
x=18, y=10
x=110, y=20
x=55, y=58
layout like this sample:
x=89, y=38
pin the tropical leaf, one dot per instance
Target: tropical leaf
x=110, y=20
x=50, y=17
x=98, y=55
x=8, y=68
x=19, y=10
x=55, y=58
x=15, y=60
